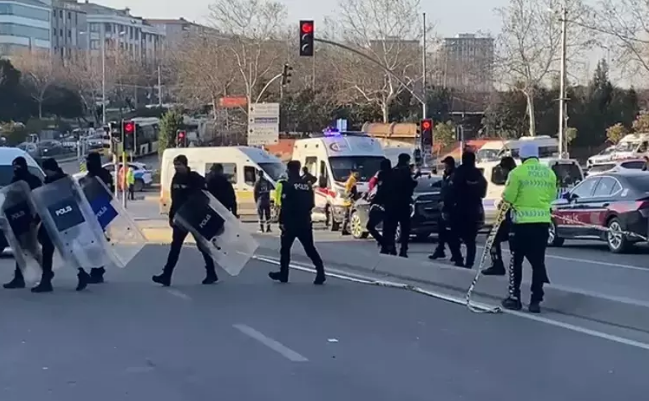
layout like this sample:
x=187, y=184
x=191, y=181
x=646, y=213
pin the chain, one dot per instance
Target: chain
x=600, y=228
x=503, y=208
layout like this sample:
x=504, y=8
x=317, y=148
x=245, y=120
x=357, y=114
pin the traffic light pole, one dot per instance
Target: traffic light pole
x=263, y=90
x=124, y=180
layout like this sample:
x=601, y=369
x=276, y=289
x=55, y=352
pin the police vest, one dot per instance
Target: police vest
x=531, y=188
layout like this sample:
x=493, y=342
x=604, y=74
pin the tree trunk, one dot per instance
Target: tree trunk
x=40, y=109
x=385, y=109
x=530, y=113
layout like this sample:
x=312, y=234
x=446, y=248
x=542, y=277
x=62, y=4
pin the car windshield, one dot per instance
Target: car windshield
x=488, y=154
x=7, y=173
x=627, y=146
x=366, y=166
x=567, y=174
x=639, y=182
x=273, y=170
x=432, y=184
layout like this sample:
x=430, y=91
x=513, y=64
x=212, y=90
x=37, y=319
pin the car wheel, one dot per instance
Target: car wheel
x=397, y=234
x=332, y=224
x=138, y=186
x=553, y=238
x=615, y=239
x=356, y=226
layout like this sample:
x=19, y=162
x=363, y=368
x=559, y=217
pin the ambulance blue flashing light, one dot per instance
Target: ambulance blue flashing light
x=331, y=132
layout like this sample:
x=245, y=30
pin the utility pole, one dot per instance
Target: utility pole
x=159, y=86
x=424, y=69
x=563, y=111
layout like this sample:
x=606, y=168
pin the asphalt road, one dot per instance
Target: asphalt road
x=247, y=338
x=72, y=167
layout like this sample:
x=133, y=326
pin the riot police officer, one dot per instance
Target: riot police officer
x=221, y=188
x=377, y=196
x=295, y=223
x=446, y=234
x=21, y=173
x=93, y=164
x=401, y=186
x=184, y=184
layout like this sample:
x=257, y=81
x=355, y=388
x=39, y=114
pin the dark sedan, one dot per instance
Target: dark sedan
x=425, y=210
x=617, y=201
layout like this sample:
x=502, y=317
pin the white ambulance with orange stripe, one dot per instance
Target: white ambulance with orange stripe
x=330, y=157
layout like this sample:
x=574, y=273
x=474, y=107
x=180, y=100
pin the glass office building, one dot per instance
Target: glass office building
x=25, y=24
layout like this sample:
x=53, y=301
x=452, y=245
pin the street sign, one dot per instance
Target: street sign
x=263, y=124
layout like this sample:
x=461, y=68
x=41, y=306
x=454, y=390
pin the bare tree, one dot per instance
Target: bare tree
x=253, y=34
x=39, y=71
x=529, y=46
x=82, y=74
x=625, y=25
x=388, y=32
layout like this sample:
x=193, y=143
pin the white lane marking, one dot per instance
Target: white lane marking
x=270, y=343
x=179, y=294
x=483, y=306
x=595, y=262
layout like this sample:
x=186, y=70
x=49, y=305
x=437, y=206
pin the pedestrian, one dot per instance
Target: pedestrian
x=398, y=206
x=446, y=235
x=308, y=177
x=468, y=187
x=530, y=190
x=95, y=169
x=21, y=173
x=295, y=223
x=184, y=185
x=350, y=196
x=130, y=181
x=262, y=191
x=497, y=268
x=221, y=188
x=376, y=196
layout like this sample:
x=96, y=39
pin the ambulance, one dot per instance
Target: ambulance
x=632, y=146
x=330, y=157
x=240, y=164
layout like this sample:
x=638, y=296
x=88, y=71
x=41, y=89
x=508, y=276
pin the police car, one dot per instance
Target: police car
x=143, y=176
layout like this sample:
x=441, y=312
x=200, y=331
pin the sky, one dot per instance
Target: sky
x=449, y=16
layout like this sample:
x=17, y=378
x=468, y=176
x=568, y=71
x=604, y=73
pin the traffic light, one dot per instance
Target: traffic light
x=306, y=38
x=128, y=135
x=286, y=74
x=181, y=139
x=426, y=132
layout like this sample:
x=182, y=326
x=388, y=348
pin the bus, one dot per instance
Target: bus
x=146, y=135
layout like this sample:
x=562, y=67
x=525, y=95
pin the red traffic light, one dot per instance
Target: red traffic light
x=306, y=28
x=426, y=125
x=129, y=127
x=181, y=134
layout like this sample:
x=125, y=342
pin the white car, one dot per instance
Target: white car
x=620, y=165
x=143, y=176
x=604, y=156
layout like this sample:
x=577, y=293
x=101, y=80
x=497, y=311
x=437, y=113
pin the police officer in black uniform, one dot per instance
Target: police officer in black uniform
x=21, y=173
x=377, y=197
x=93, y=165
x=184, y=185
x=400, y=187
x=221, y=188
x=446, y=234
x=295, y=223
x=262, y=191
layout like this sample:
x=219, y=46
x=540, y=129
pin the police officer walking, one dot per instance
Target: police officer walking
x=401, y=186
x=93, y=165
x=295, y=223
x=21, y=173
x=184, y=184
x=530, y=190
x=468, y=188
x=446, y=234
x=221, y=188
x=377, y=196
x=497, y=268
x=262, y=200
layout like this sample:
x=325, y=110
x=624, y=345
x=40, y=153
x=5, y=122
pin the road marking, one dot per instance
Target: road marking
x=461, y=301
x=270, y=343
x=179, y=294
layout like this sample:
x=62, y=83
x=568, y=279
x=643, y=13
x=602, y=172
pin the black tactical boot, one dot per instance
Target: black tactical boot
x=83, y=280
x=163, y=279
x=210, y=278
x=278, y=276
x=17, y=282
x=97, y=275
x=512, y=303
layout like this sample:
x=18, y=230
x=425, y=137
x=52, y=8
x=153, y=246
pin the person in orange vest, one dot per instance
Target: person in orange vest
x=120, y=179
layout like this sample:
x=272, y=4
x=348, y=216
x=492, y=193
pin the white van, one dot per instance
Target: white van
x=568, y=173
x=632, y=146
x=495, y=150
x=330, y=157
x=240, y=164
x=7, y=156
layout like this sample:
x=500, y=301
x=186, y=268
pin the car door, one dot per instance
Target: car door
x=567, y=215
x=592, y=210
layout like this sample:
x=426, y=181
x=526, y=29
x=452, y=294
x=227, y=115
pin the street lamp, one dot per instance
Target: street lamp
x=563, y=111
x=103, y=74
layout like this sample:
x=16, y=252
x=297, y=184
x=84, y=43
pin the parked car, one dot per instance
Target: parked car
x=619, y=165
x=616, y=200
x=604, y=156
x=424, y=215
x=143, y=176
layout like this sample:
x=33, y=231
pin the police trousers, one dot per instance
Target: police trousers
x=376, y=215
x=304, y=234
x=263, y=212
x=44, y=256
x=528, y=241
x=397, y=217
x=177, y=238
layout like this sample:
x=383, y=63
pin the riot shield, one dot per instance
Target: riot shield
x=71, y=224
x=217, y=232
x=124, y=237
x=19, y=223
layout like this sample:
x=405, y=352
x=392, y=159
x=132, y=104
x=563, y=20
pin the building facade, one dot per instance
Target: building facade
x=118, y=30
x=25, y=24
x=176, y=31
x=466, y=62
x=69, y=28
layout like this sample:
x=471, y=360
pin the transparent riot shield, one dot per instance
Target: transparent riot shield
x=217, y=232
x=124, y=237
x=19, y=223
x=71, y=224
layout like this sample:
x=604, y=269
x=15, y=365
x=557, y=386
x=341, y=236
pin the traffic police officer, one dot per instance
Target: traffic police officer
x=295, y=222
x=530, y=190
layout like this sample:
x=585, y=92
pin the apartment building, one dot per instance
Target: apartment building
x=24, y=24
x=177, y=30
x=69, y=28
x=466, y=62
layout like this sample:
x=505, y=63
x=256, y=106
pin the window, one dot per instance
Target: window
x=69, y=33
x=94, y=44
x=498, y=176
x=366, y=166
x=23, y=30
x=637, y=165
x=585, y=189
x=311, y=163
x=598, y=168
x=273, y=170
x=606, y=187
x=24, y=11
x=229, y=170
x=7, y=173
x=61, y=14
x=568, y=174
x=108, y=27
x=249, y=175
x=639, y=182
x=643, y=147
x=94, y=27
x=69, y=16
